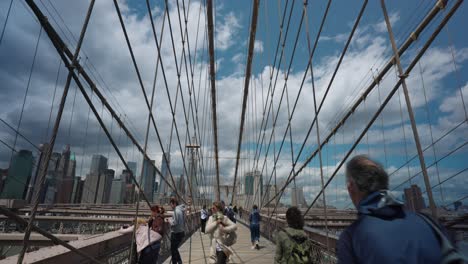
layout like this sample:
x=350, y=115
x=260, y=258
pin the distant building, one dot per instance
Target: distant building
x=77, y=190
x=3, y=176
x=253, y=188
x=149, y=176
x=48, y=191
x=93, y=181
x=133, y=167
x=181, y=185
x=297, y=197
x=117, y=191
x=19, y=175
x=413, y=198
x=129, y=187
x=165, y=163
x=65, y=176
x=270, y=192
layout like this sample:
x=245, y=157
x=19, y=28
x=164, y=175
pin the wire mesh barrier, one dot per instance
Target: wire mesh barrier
x=270, y=226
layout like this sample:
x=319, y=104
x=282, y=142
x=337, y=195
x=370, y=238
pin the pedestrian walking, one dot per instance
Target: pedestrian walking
x=177, y=229
x=230, y=213
x=203, y=218
x=222, y=234
x=292, y=243
x=254, y=220
x=384, y=232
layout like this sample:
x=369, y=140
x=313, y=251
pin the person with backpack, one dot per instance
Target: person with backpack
x=222, y=232
x=384, y=232
x=292, y=243
x=254, y=220
x=231, y=214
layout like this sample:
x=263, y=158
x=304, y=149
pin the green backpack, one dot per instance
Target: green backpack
x=301, y=250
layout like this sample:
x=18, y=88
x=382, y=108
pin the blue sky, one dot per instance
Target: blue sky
x=444, y=72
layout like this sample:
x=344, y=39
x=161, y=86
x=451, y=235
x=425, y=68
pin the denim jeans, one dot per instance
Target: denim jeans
x=176, y=240
x=254, y=232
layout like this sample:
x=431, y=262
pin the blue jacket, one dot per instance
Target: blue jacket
x=385, y=233
x=255, y=217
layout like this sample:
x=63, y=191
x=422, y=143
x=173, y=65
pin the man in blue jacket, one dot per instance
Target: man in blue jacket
x=383, y=232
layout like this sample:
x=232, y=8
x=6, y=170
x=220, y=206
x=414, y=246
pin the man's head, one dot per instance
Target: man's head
x=255, y=207
x=364, y=176
x=174, y=203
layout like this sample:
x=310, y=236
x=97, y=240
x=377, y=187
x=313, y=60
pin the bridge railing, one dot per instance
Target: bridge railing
x=111, y=247
x=270, y=226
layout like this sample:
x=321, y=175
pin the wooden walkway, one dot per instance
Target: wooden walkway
x=192, y=250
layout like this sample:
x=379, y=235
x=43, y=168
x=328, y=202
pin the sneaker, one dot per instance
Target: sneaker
x=253, y=247
x=257, y=247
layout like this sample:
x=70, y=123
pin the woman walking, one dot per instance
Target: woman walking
x=219, y=227
x=254, y=220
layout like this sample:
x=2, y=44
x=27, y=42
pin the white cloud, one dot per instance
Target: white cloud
x=382, y=26
x=258, y=46
x=226, y=31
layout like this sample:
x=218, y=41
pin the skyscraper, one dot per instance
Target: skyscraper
x=65, y=176
x=133, y=167
x=253, y=187
x=105, y=186
x=3, y=176
x=77, y=190
x=117, y=191
x=181, y=185
x=413, y=198
x=129, y=187
x=93, y=179
x=270, y=191
x=149, y=176
x=297, y=197
x=19, y=175
x=163, y=188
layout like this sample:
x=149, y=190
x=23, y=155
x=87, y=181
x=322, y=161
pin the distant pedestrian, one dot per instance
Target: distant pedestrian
x=231, y=214
x=384, y=232
x=203, y=218
x=240, y=212
x=222, y=234
x=292, y=243
x=177, y=229
x=254, y=220
x=235, y=209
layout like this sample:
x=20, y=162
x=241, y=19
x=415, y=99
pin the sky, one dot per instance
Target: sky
x=437, y=87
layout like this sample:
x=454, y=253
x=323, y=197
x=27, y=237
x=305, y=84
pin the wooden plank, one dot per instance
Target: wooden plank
x=192, y=250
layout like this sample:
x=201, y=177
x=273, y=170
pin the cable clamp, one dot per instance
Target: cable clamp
x=403, y=76
x=441, y=4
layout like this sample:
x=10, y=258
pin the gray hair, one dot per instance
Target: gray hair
x=368, y=175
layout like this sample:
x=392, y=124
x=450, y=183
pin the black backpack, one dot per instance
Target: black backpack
x=450, y=254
